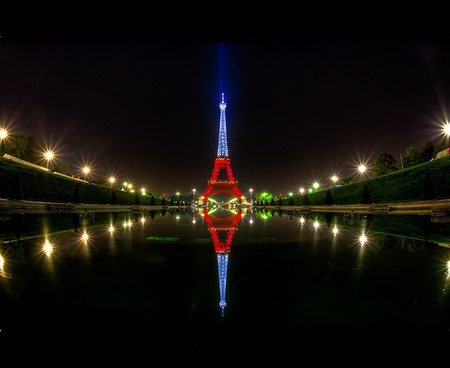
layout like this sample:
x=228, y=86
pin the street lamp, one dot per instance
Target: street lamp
x=362, y=168
x=112, y=180
x=334, y=179
x=194, y=190
x=3, y=135
x=251, y=191
x=445, y=130
x=86, y=171
x=178, y=198
x=49, y=155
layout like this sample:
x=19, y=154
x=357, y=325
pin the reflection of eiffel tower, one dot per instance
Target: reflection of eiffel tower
x=216, y=184
x=222, y=230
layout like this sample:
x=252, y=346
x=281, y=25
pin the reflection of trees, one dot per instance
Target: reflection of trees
x=382, y=241
x=18, y=251
x=263, y=215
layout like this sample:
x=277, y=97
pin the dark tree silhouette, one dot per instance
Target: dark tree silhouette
x=366, y=197
x=16, y=191
x=426, y=151
x=427, y=190
x=113, y=198
x=75, y=196
x=329, y=199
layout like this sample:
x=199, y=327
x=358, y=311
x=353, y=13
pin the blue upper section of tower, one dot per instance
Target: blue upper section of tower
x=222, y=150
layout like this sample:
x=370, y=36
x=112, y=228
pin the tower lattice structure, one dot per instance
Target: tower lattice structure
x=222, y=163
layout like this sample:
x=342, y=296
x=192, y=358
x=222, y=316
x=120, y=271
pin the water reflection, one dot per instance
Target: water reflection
x=191, y=269
x=222, y=225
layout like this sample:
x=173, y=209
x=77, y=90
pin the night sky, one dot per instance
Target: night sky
x=298, y=109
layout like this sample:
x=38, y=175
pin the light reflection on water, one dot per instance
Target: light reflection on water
x=162, y=271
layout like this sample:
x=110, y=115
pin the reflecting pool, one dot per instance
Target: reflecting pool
x=193, y=273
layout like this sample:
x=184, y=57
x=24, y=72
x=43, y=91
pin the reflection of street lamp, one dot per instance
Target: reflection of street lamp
x=3, y=135
x=48, y=155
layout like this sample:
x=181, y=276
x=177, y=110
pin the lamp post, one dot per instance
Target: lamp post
x=3, y=135
x=48, y=155
x=445, y=130
x=194, y=190
x=86, y=171
x=362, y=169
x=251, y=191
x=316, y=186
x=178, y=198
x=334, y=179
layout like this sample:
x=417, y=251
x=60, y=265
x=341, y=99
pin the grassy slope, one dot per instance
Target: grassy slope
x=39, y=185
x=406, y=185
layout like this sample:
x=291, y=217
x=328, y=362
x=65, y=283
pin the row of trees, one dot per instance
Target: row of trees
x=31, y=149
x=385, y=163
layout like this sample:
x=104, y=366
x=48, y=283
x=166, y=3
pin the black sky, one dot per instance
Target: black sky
x=298, y=109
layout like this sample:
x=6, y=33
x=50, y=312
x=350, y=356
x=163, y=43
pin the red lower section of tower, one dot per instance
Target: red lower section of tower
x=216, y=186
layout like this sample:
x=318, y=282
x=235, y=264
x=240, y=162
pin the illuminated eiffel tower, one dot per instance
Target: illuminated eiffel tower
x=222, y=164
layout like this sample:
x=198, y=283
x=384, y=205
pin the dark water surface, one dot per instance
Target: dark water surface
x=160, y=278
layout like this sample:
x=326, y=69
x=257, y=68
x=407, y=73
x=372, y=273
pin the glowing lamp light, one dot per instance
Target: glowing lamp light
x=335, y=230
x=49, y=155
x=47, y=248
x=3, y=133
x=363, y=239
x=86, y=171
x=85, y=237
x=446, y=129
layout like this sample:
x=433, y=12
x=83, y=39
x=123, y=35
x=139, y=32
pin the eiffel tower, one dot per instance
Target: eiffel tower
x=222, y=164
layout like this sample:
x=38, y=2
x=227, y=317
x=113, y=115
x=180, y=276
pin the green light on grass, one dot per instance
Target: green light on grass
x=163, y=238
